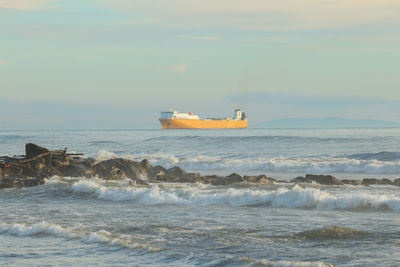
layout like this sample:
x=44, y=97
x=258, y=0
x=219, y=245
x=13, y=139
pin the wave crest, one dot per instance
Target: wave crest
x=48, y=229
x=286, y=263
x=282, y=197
x=380, y=163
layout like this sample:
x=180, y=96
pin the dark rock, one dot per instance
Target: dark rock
x=219, y=181
x=259, y=179
x=176, y=171
x=140, y=182
x=396, y=182
x=250, y=179
x=386, y=181
x=373, y=181
x=7, y=183
x=300, y=179
x=78, y=170
x=267, y=180
x=234, y=178
x=321, y=179
x=118, y=174
x=161, y=176
x=100, y=170
x=119, y=168
x=191, y=177
x=158, y=168
x=352, y=182
x=209, y=179
x=146, y=164
x=33, y=150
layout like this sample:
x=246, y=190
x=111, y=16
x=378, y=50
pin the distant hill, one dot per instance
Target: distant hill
x=330, y=122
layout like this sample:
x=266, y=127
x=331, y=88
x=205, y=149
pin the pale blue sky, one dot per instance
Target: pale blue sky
x=204, y=56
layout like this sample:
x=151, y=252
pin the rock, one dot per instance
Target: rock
x=33, y=150
x=259, y=179
x=267, y=180
x=21, y=182
x=173, y=175
x=145, y=164
x=176, y=171
x=141, y=182
x=119, y=168
x=396, y=182
x=250, y=179
x=117, y=174
x=191, y=177
x=158, y=168
x=209, y=179
x=299, y=179
x=373, y=181
x=352, y=182
x=219, y=181
x=234, y=178
x=321, y=179
x=7, y=183
x=386, y=181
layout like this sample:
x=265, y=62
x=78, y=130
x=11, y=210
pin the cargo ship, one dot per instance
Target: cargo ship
x=178, y=120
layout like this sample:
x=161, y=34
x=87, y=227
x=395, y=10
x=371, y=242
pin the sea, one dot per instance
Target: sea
x=89, y=221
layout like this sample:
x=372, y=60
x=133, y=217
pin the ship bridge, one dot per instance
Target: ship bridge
x=173, y=114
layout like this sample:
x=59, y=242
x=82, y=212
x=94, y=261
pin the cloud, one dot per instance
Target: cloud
x=267, y=14
x=287, y=105
x=203, y=37
x=24, y=4
x=179, y=68
x=2, y=62
x=300, y=99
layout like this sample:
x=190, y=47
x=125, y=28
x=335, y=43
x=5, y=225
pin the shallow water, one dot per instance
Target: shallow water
x=77, y=221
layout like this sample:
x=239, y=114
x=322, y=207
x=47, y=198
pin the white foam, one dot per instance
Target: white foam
x=283, y=197
x=35, y=229
x=104, y=155
x=286, y=263
x=48, y=229
x=277, y=165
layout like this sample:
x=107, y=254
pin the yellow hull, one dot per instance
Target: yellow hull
x=202, y=124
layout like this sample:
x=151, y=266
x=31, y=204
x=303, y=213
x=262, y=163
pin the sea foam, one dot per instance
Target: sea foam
x=286, y=263
x=48, y=229
x=352, y=164
x=282, y=197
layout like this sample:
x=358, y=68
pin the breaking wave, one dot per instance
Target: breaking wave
x=381, y=156
x=282, y=197
x=358, y=163
x=48, y=229
x=286, y=263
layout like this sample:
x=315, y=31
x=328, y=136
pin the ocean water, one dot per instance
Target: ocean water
x=77, y=221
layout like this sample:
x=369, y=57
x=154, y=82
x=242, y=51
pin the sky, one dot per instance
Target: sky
x=66, y=62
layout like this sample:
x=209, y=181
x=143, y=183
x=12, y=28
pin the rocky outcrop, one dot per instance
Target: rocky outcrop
x=41, y=163
x=32, y=150
x=320, y=179
x=372, y=181
x=259, y=179
x=396, y=182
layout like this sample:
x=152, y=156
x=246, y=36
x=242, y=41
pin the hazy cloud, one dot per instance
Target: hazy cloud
x=203, y=37
x=299, y=99
x=268, y=14
x=179, y=69
x=24, y=4
x=287, y=105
